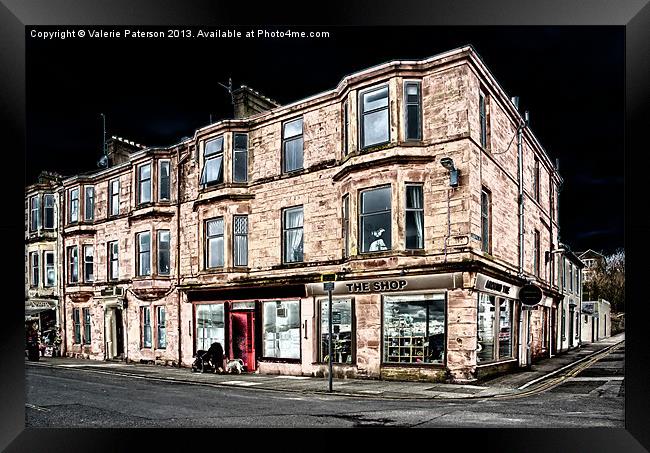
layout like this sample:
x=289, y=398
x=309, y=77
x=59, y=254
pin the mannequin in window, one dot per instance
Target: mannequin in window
x=378, y=244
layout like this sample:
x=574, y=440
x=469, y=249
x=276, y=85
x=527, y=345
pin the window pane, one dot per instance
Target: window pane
x=375, y=200
x=213, y=146
x=341, y=331
x=164, y=180
x=49, y=211
x=241, y=240
x=145, y=172
x=505, y=328
x=414, y=229
x=88, y=263
x=375, y=99
x=293, y=240
x=413, y=121
x=293, y=155
x=486, y=315
x=89, y=209
x=412, y=93
x=282, y=330
x=215, y=227
x=292, y=128
x=376, y=232
x=145, y=191
x=163, y=252
x=240, y=166
x=210, y=326
x=213, y=170
x=293, y=218
x=115, y=197
x=375, y=127
x=215, y=252
x=241, y=141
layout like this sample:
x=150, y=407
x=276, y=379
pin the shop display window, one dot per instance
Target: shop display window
x=494, y=328
x=282, y=329
x=341, y=331
x=210, y=326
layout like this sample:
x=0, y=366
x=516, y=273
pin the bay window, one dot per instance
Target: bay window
x=161, y=328
x=163, y=252
x=89, y=203
x=73, y=198
x=212, y=172
x=144, y=184
x=373, y=109
x=73, y=264
x=240, y=158
x=76, y=321
x=414, y=217
x=88, y=251
x=375, y=220
x=87, y=325
x=214, y=243
x=164, y=185
x=50, y=276
x=49, y=211
x=143, y=254
x=34, y=213
x=145, y=320
x=240, y=240
x=34, y=262
x=412, y=110
x=346, y=226
x=292, y=145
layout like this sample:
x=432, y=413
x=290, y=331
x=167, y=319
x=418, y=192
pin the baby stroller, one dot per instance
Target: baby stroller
x=210, y=360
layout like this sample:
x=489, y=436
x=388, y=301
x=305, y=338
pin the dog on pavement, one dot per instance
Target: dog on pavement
x=235, y=366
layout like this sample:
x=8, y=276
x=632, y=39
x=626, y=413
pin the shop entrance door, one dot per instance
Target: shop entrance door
x=119, y=333
x=242, y=339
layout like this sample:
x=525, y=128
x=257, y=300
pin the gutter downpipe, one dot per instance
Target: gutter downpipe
x=178, y=249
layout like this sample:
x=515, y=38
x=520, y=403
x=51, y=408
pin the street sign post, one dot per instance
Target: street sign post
x=329, y=287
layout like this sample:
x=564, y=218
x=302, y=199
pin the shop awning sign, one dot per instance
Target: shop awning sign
x=34, y=306
x=493, y=286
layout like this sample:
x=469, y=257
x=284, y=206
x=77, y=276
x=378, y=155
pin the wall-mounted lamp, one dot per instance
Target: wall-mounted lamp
x=547, y=254
x=448, y=163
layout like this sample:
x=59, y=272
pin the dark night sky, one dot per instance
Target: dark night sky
x=155, y=92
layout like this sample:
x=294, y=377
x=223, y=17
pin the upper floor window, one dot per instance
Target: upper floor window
x=50, y=276
x=114, y=201
x=88, y=263
x=73, y=196
x=536, y=179
x=375, y=220
x=486, y=221
x=214, y=243
x=552, y=200
x=292, y=145
x=374, y=117
x=414, y=217
x=412, y=111
x=240, y=242
x=34, y=213
x=536, y=254
x=73, y=264
x=346, y=226
x=144, y=183
x=292, y=234
x=113, y=261
x=163, y=252
x=240, y=158
x=564, y=272
x=346, y=128
x=212, y=162
x=143, y=244
x=48, y=211
x=164, y=185
x=89, y=204
x=570, y=277
x=34, y=261
x=482, y=111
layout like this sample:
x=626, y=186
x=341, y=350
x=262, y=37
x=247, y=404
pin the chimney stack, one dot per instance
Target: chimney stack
x=118, y=150
x=248, y=102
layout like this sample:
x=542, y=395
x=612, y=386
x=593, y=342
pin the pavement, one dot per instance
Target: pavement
x=541, y=376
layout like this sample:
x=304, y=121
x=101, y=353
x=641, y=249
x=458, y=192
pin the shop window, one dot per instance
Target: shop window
x=50, y=276
x=282, y=329
x=89, y=203
x=145, y=318
x=486, y=221
x=34, y=261
x=292, y=145
x=49, y=211
x=375, y=220
x=88, y=251
x=163, y=252
x=34, y=213
x=414, y=217
x=143, y=255
x=113, y=261
x=73, y=197
x=87, y=325
x=164, y=180
x=73, y=264
x=412, y=102
x=346, y=226
x=114, y=189
x=76, y=320
x=240, y=240
x=374, y=126
x=212, y=162
x=414, y=329
x=161, y=328
x=292, y=235
x=144, y=184
x=341, y=331
x=214, y=243
x=210, y=325
x=240, y=158
x=494, y=328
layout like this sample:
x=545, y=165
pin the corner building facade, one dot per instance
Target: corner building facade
x=405, y=181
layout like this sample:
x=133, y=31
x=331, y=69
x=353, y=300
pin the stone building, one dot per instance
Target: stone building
x=418, y=184
x=596, y=320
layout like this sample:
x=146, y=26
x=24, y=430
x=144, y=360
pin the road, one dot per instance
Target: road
x=58, y=397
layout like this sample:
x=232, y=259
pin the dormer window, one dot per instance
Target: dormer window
x=212, y=162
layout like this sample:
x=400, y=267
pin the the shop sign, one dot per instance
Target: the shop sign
x=493, y=286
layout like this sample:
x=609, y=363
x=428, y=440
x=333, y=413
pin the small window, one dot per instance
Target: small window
x=412, y=103
x=88, y=263
x=570, y=277
x=49, y=211
x=164, y=185
x=292, y=244
x=161, y=327
x=292, y=145
x=34, y=260
x=281, y=329
x=342, y=331
x=87, y=325
x=486, y=221
x=113, y=261
x=482, y=110
x=89, y=204
x=73, y=197
x=536, y=254
x=414, y=217
x=346, y=226
x=214, y=256
x=212, y=162
x=163, y=252
x=76, y=320
x=73, y=264
x=374, y=125
x=143, y=243
x=346, y=128
x=145, y=317
x=144, y=184
x=34, y=211
x=536, y=179
x=50, y=276
x=375, y=220
x=114, y=189
x=240, y=158
x=240, y=242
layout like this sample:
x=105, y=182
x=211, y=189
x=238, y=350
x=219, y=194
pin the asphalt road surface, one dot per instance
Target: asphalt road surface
x=76, y=398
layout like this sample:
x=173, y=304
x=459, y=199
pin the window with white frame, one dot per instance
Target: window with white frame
x=114, y=189
x=412, y=110
x=73, y=198
x=281, y=329
x=163, y=252
x=240, y=158
x=210, y=325
x=212, y=172
x=73, y=264
x=214, y=246
x=88, y=251
x=50, y=275
x=240, y=240
x=414, y=217
x=374, y=127
x=375, y=219
x=164, y=180
x=89, y=203
x=292, y=234
x=495, y=328
x=292, y=145
x=48, y=217
x=35, y=266
x=144, y=184
x=34, y=213
x=143, y=254
x=113, y=260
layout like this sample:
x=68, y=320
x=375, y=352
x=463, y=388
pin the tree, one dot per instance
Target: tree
x=608, y=281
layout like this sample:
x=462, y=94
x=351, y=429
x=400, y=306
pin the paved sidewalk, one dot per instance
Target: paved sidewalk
x=510, y=384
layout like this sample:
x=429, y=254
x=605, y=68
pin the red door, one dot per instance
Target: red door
x=242, y=341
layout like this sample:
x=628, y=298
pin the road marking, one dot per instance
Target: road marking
x=604, y=378
x=241, y=383
x=292, y=377
x=38, y=408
